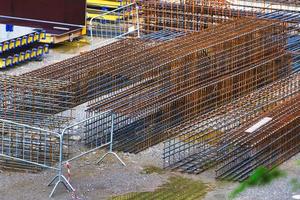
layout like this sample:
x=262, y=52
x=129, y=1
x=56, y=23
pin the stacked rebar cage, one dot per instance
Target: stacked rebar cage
x=225, y=65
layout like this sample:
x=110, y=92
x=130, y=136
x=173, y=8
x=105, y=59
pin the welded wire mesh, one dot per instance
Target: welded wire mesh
x=195, y=15
x=156, y=86
x=35, y=101
x=26, y=147
x=28, y=102
x=197, y=142
x=87, y=135
x=191, y=76
x=269, y=146
x=118, y=23
x=187, y=15
x=89, y=73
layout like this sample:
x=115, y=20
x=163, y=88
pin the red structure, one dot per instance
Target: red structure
x=55, y=16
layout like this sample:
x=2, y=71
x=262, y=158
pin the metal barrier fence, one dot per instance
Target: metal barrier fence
x=29, y=145
x=45, y=149
x=106, y=28
x=92, y=133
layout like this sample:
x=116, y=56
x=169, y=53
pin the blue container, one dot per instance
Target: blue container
x=9, y=28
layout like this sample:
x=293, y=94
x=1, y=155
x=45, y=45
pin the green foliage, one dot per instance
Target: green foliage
x=295, y=184
x=152, y=169
x=261, y=176
x=177, y=188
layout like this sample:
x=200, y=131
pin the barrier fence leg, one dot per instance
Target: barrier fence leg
x=111, y=144
x=60, y=177
x=52, y=181
x=114, y=154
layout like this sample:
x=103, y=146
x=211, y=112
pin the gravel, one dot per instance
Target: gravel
x=110, y=178
x=91, y=181
x=280, y=189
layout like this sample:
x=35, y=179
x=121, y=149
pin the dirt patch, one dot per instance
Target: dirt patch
x=177, y=188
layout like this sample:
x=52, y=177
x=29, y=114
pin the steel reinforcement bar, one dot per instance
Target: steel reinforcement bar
x=196, y=143
x=195, y=149
x=195, y=15
x=174, y=81
x=96, y=64
x=34, y=101
x=182, y=16
x=245, y=149
x=19, y=143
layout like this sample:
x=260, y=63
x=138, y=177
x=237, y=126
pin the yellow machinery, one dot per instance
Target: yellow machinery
x=106, y=3
x=27, y=55
x=67, y=36
x=20, y=45
x=94, y=8
x=97, y=7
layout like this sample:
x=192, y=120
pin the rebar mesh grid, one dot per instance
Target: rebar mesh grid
x=195, y=147
x=23, y=142
x=32, y=102
x=197, y=15
x=93, y=65
x=196, y=143
x=35, y=101
x=243, y=150
x=156, y=86
x=184, y=15
x=192, y=75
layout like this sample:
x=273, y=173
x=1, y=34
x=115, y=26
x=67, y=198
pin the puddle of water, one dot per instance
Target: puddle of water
x=71, y=47
x=296, y=196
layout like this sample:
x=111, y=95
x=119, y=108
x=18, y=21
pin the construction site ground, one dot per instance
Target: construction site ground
x=102, y=181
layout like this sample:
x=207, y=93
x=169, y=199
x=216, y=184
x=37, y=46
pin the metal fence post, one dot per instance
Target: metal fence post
x=91, y=32
x=111, y=143
x=137, y=20
x=16, y=132
x=61, y=178
x=108, y=28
